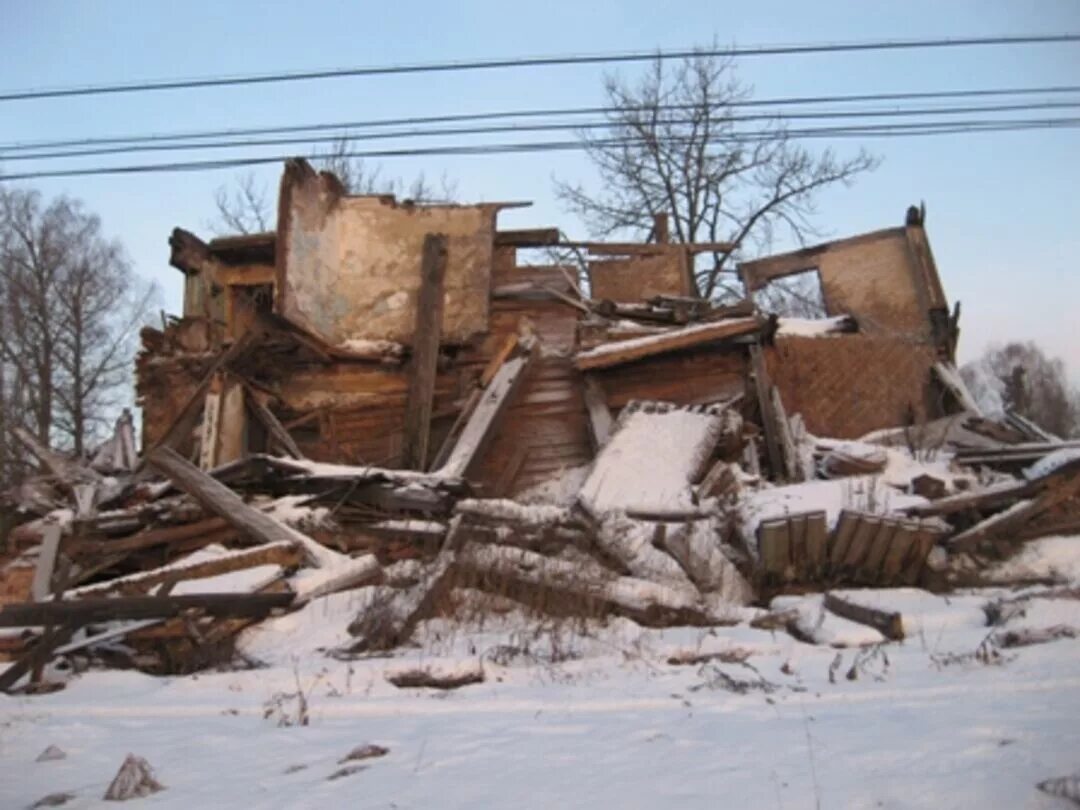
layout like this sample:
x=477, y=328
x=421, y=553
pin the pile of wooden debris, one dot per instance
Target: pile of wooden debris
x=379, y=397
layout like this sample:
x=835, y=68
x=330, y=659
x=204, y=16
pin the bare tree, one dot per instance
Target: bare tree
x=69, y=311
x=674, y=145
x=245, y=207
x=1021, y=378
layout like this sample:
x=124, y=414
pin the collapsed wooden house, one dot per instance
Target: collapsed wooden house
x=379, y=385
x=361, y=341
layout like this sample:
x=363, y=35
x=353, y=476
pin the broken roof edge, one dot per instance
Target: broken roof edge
x=626, y=351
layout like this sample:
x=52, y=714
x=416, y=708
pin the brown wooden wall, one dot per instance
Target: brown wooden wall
x=691, y=377
x=545, y=430
x=849, y=385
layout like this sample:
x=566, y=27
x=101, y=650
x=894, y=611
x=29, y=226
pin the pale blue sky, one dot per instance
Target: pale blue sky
x=1002, y=208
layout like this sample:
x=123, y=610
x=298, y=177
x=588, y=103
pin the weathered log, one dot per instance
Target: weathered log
x=889, y=624
x=646, y=602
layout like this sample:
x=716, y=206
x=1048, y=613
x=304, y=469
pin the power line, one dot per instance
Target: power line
x=349, y=137
x=861, y=131
x=535, y=113
x=535, y=61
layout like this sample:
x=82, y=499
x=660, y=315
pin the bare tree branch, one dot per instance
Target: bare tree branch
x=672, y=146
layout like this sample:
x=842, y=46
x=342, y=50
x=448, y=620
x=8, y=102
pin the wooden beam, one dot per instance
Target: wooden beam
x=423, y=365
x=273, y=425
x=123, y=608
x=462, y=419
x=889, y=624
x=146, y=539
x=284, y=555
x=484, y=420
x=763, y=389
x=36, y=657
x=615, y=354
x=217, y=498
x=648, y=248
x=528, y=237
x=600, y=421
x=41, y=587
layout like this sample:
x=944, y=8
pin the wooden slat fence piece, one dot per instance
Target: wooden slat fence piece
x=817, y=538
x=870, y=569
x=841, y=538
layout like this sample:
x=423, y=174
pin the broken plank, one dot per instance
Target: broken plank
x=479, y=429
x=423, y=364
x=41, y=586
x=889, y=624
x=626, y=351
x=37, y=656
x=454, y=434
x=278, y=433
x=286, y=555
x=600, y=421
x=91, y=611
x=146, y=539
x=217, y=498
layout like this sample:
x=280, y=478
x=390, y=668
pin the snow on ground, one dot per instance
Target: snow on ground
x=580, y=715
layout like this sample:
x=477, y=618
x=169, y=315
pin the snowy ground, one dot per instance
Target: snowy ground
x=592, y=717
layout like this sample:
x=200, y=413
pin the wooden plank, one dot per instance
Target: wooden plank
x=865, y=532
x=816, y=543
x=36, y=657
x=870, y=569
x=272, y=424
x=646, y=248
x=600, y=421
x=527, y=237
x=903, y=540
x=423, y=365
x=763, y=390
x=479, y=429
x=629, y=350
x=921, y=547
x=122, y=608
x=889, y=624
x=217, y=498
x=41, y=586
x=497, y=360
x=146, y=539
x=797, y=544
x=284, y=555
x=773, y=546
x=208, y=435
x=185, y=421
x=1020, y=513
x=452, y=437
x=841, y=538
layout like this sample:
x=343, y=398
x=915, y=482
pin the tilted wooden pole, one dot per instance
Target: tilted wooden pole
x=423, y=364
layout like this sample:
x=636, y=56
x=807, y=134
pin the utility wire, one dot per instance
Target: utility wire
x=536, y=113
x=861, y=131
x=350, y=137
x=533, y=62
